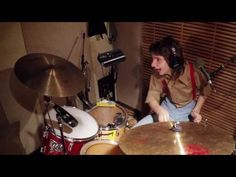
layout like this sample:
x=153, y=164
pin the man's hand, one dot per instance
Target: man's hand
x=196, y=116
x=196, y=111
x=163, y=115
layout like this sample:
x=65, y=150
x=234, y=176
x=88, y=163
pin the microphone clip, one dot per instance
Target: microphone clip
x=212, y=85
x=65, y=116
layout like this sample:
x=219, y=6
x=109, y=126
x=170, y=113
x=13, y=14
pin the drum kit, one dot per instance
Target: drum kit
x=102, y=130
x=67, y=129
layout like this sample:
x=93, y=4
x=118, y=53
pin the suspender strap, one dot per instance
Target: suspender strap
x=164, y=87
x=192, y=80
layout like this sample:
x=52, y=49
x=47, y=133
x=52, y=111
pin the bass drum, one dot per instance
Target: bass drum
x=74, y=137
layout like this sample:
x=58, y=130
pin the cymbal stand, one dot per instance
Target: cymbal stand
x=47, y=103
x=59, y=119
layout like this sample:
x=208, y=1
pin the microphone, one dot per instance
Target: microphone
x=66, y=117
x=200, y=65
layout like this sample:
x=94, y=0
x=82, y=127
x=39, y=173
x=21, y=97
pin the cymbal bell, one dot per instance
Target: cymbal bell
x=49, y=75
x=160, y=139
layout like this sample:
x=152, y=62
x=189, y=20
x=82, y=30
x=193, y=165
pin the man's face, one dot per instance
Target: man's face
x=159, y=64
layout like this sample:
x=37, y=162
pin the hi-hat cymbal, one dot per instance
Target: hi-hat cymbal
x=159, y=139
x=49, y=75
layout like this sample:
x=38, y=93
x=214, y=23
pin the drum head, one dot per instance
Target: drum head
x=87, y=126
x=101, y=147
x=106, y=115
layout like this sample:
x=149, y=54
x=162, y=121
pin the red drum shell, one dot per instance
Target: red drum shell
x=85, y=131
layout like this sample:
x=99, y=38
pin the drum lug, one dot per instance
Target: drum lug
x=45, y=134
x=42, y=149
x=70, y=146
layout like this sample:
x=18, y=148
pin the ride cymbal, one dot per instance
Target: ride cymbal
x=49, y=75
x=191, y=139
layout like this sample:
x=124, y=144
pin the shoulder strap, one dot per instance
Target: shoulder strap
x=192, y=80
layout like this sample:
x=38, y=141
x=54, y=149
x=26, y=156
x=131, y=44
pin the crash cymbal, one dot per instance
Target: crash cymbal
x=159, y=138
x=49, y=75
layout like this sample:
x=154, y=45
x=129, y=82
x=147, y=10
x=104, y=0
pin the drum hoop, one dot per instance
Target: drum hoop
x=90, y=143
x=121, y=126
x=73, y=139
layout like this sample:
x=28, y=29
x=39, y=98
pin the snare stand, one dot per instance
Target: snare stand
x=61, y=131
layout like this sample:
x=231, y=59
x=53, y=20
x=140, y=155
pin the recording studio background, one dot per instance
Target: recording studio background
x=64, y=39
x=20, y=107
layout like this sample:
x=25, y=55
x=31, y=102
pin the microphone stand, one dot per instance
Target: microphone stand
x=61, y=131
x=83, y=95
x=113, y=78
x=217, y=71
x=47, y=100
x=69, y=100
x=213, y=74
x=83, y=65
x=59, y=121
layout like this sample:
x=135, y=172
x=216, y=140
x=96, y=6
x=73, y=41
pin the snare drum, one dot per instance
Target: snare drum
x=112, y=122
x=101, y=147
x=74, y=137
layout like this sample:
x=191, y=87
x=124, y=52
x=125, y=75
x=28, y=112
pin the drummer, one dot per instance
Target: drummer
x=177, y=89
